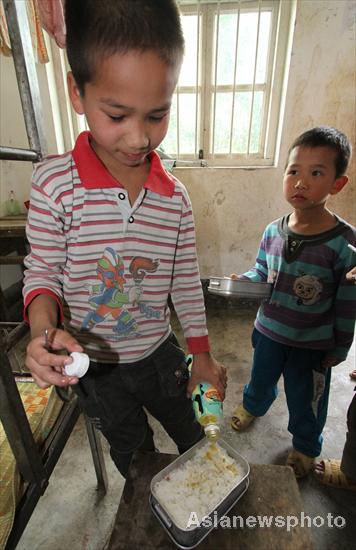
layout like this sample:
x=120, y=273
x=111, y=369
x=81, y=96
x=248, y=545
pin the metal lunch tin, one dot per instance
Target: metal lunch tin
x=224, y=286
x=192, y=536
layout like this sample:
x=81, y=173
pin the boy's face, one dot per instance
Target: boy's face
x=310, y=177
x=127, y=107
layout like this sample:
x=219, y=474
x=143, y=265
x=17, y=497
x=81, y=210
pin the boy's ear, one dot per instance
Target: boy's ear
x=339, y=183
x=74, y=94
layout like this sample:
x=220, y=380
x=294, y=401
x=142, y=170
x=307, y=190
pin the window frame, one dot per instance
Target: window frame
x=277, y=69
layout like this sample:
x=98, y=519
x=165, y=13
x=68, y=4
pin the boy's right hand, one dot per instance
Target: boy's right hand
x=351, y=275
x=46, y=366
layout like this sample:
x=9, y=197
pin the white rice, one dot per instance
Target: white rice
x=198, y=485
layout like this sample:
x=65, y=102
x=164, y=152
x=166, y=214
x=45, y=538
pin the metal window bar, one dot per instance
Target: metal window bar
x=71, y=116
x=24, y=61
x=178, y=133
x=234, y=85
x=205, y=92
x=272, y=52
x=15, y=153
x=215, y=77
x=254, y=77
x=197, y=82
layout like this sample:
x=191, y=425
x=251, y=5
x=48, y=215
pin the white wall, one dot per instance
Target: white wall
x=232, y=206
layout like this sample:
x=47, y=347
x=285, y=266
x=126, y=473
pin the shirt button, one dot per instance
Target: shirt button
x=122, y=196
x=131, y=219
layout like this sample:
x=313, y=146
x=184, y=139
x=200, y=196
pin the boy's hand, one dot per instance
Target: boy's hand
x=207, y=369
x=47, y=368
x=351, y=275
x=330, y=361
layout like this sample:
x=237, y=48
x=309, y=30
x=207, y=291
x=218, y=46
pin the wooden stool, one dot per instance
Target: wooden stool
x=273, y=492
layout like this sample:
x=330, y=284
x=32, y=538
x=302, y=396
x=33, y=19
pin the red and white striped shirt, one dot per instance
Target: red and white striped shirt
x=109, y=264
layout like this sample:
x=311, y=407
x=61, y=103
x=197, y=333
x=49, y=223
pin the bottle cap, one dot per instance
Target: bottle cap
x=212, y=431
x=79, y=366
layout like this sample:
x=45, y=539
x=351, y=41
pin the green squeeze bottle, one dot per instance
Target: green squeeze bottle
x=208, y=407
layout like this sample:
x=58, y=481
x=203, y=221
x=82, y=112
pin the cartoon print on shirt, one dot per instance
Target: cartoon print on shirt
x=139, y=267
x=308, y=289
x=108, y=297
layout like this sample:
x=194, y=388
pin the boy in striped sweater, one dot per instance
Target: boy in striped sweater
x=307, y=326
x=112, y=235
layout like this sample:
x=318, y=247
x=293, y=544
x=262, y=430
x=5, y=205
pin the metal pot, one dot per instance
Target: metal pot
x=240, y=288
x=191, y=537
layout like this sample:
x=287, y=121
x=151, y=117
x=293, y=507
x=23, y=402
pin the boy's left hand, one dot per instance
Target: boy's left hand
x=207, y=369
x=330, y=361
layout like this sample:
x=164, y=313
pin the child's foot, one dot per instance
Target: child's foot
x=328, y=472
x=300, y=463
x=353, y=375
x=241, y=418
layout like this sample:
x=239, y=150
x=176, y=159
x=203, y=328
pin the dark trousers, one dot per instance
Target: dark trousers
x=348, y=462
x=306, y=385
x=115, y=396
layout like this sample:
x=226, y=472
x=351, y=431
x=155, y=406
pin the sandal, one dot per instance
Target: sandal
x=300, y=463
x=241, y=418
x=332, y=476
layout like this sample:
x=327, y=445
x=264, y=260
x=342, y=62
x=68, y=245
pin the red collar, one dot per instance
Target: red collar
x=93, y=174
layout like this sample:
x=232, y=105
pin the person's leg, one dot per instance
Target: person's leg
x=268, y=361
x=341, y=474
x=307, y=386
x=261, y=391
x=164, y=395
x=107, y=401
x=348, y=462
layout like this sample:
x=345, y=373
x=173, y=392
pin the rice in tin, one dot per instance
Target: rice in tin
x=199, y=485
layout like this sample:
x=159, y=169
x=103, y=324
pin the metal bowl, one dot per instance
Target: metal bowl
x=240, y=288
x=192, y=536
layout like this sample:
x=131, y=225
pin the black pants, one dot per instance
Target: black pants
x=348, y=462
x=116, y=395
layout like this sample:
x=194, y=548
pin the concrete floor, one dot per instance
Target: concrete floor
x=71, y=516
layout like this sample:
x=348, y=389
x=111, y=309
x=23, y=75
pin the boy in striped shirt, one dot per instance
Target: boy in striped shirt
x=112, y=235
x=307, y=326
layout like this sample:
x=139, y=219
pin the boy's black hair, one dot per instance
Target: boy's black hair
x=327, y=136
x=100, y=28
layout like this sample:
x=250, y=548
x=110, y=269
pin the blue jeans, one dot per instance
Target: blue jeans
x=306, y=385
x=115, y=396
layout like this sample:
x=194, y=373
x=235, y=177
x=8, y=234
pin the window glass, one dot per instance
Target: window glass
x=224, y=105
x=188, y=75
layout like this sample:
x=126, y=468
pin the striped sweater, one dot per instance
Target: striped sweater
x=312, y=304
x=109, y=264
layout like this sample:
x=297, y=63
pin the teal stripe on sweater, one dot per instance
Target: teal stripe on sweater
x=290, y=301
x=298, y=335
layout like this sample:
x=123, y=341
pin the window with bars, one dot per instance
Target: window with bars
x=228, y=103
